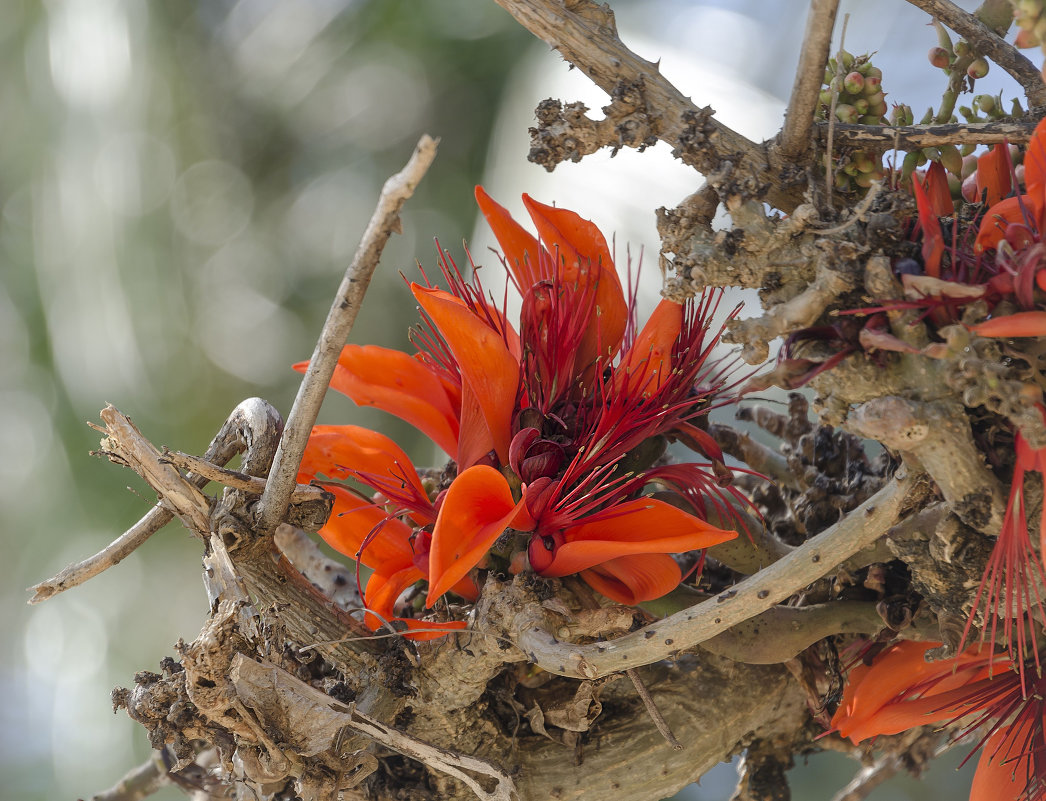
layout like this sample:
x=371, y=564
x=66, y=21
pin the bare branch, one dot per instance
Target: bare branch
x=340, y=319
x=988, y=43
x=138, y=783
x=913, y=137
x=807, y=563
x=234, y=478
x=799, y=118
x=248, y=421
x=585, y=34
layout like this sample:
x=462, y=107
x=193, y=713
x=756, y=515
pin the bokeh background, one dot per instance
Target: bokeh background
x=181, y=186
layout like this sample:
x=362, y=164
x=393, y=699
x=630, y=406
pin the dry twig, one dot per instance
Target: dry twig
x=383, y=223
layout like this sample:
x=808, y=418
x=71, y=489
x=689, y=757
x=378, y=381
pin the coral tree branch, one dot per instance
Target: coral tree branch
x=383, y=223
x=807, y=563
x=799, y=119
x=989, y=43
x=585, y=34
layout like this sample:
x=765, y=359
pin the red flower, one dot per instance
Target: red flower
x=555, y=430
x=977, y=691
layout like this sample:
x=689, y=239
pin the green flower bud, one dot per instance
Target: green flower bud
x=954, y=185
x=950, y=158
x=844, y=112
x=969, y=163
x=968, y=114
x=985, y=103
x=861, y=104
x=843, y=182
x=864, y=179
x=872, y=72
x=864, y=162
x=878, y=110
x=962, y=48
x=967, y=150
x=828, y=75
x=872, y=85
x=927, y=117
x=1016, y=110
x=978, y=68
x=939, y=57
x=847, y=59
x=853, y=83
x=872, y=119
x=931, y=153
x=911, y=161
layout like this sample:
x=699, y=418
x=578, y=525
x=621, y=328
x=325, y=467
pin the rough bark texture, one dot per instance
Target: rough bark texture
x=285, y=694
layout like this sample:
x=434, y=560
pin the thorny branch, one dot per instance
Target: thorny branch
x=383, y=223
x=585, y=33
x=989, y=43
x=914, y=137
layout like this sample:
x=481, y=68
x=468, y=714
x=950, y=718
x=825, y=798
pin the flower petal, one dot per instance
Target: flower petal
x=399, y=384
x=641, y=526
x=381, y=594
x=631, y=580
x=1021, y=324
x=993, y=174
x=933, y=239
x=361, y=530
x=476, y=510
x=579, y=248
x=343, y=451
x=1035, y=173
x=1000, y=776
x=993, y=225
x=486, y=363
x=527, y=260
x=649, y=361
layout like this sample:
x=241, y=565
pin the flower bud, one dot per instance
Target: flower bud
x=872, y=84
x=962, y=48
x=1025, y=38
x=985, y=103
x=861, y=104
x=978, y=68
x=844, y=112
x=846, y=59
x=869, y=71
x=853, y=83
x=969, y=189
x=939, y=57
x=951, y=159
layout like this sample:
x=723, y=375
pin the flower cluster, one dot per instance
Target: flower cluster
x=975, y=690
x=556, y=430
x=998, y=696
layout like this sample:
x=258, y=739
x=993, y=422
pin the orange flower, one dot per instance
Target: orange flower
x=555, y=430
x=976, y=690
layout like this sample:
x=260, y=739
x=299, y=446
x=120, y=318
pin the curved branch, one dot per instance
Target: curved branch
x=988, y=43
x=807, y=563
